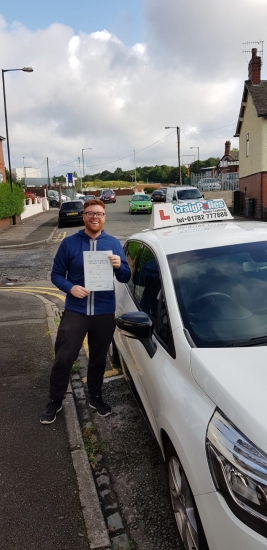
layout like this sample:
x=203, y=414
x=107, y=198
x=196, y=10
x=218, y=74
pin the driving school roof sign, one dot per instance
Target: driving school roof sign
x=168, y=214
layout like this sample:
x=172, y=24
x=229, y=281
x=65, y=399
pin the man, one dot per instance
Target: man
x=86, y=312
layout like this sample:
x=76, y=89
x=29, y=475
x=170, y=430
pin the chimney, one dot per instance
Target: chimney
x=227, y=148
x=254, y=68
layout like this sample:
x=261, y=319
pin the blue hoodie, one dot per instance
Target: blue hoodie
x=68, y=271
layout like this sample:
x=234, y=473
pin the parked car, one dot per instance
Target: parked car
x=183, y=193
x=108, y=195
x=53, y=197
x=209, y=184
x=191, y=338
x=53, y=200
x=140, y=202
x=158, y=195
x=70, y=212
x=86, y=197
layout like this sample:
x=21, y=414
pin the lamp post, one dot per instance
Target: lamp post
x=25, y=70
x=188, y=164
x=178, y=147
x=85, y=149
x=197, y=156
x=80, y=174
x=134, y=169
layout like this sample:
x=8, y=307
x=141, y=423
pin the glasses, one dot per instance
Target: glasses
x=94, y=214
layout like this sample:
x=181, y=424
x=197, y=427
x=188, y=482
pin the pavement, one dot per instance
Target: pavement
x=48, y=497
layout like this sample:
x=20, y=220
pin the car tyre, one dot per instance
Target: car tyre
x=54, y=204
x=187, y=520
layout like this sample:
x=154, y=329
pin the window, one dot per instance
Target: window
x=132, y=252
x=222, y=292
x=146, y=289
x=147, y=283
x=247, y=144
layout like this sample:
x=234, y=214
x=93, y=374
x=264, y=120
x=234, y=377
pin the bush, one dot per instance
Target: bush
x=11, y=202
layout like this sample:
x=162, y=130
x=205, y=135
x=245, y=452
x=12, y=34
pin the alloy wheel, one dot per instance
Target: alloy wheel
x=183, y=505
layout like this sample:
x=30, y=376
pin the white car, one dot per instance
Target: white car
x=183, y=193
x=209, y=184
x=191, y=337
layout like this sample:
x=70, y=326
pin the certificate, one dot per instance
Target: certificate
x=98, y=271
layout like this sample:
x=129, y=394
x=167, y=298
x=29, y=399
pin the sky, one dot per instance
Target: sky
x=110, y=75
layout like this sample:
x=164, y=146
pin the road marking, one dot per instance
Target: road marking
x=108, y=373
x=29, y=290
x=47, y=290
x=59, y=236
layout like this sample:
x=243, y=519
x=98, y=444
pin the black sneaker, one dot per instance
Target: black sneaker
x=102, y=408
x=50, y=412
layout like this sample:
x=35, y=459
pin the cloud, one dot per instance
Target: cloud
x=91, y=90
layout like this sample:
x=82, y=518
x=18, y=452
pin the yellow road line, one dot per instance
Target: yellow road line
x=28, y=290
x=108, y=374
x=43, y=290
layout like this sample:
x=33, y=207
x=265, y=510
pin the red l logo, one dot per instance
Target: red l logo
x=162, y=216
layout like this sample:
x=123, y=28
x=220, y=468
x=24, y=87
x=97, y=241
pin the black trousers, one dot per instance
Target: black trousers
x=71, y=333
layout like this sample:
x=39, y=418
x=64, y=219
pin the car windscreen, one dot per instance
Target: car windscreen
x=71, y=206
x=185, y=194
x=138, y=198
x=222, y=293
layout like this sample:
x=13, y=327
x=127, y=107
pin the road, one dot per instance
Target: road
x=131, y=463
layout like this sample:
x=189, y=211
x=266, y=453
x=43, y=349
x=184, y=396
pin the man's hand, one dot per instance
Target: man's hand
x=115, y=261
x=79, y=291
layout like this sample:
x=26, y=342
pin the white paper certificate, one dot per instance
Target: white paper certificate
x=98, y=271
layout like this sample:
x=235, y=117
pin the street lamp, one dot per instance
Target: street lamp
x=178, y=146
x=188, y=164
x=134, y=169
x=26, y=70
x=197, y=156
x=24, y=169
x=86, y=149
x=80, y=175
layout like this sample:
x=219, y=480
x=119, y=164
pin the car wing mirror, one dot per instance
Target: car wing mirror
x=138, y=325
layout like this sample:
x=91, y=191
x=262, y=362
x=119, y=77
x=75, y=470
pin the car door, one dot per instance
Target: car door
x=146, y=293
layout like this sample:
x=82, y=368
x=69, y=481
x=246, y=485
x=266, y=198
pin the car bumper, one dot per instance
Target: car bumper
x=223, y=530
x=70, y=219
x=141, y=209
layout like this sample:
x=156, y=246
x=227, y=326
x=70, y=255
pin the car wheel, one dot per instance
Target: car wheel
x=54, y=204
x=187, y=521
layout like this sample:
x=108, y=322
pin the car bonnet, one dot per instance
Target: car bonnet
x=235, y=379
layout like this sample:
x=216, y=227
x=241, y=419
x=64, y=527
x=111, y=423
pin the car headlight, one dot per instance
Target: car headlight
x=239, y=471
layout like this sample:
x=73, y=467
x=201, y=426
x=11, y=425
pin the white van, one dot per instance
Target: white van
x=183, y=193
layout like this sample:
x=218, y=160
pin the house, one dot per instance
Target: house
x=229, y=162
x=2, y=162
x=252, y=132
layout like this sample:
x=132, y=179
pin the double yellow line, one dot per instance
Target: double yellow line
x=51, y=292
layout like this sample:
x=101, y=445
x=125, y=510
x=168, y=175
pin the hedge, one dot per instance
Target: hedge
x=11, y=202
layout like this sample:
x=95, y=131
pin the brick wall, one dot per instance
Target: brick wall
x=255, y=187
x=6, y=222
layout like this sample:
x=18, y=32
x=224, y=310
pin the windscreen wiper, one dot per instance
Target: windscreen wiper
x=247, y=343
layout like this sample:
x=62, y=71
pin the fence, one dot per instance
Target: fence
x=219, y=182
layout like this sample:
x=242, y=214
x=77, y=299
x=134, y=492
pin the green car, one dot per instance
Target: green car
x=140, y=203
